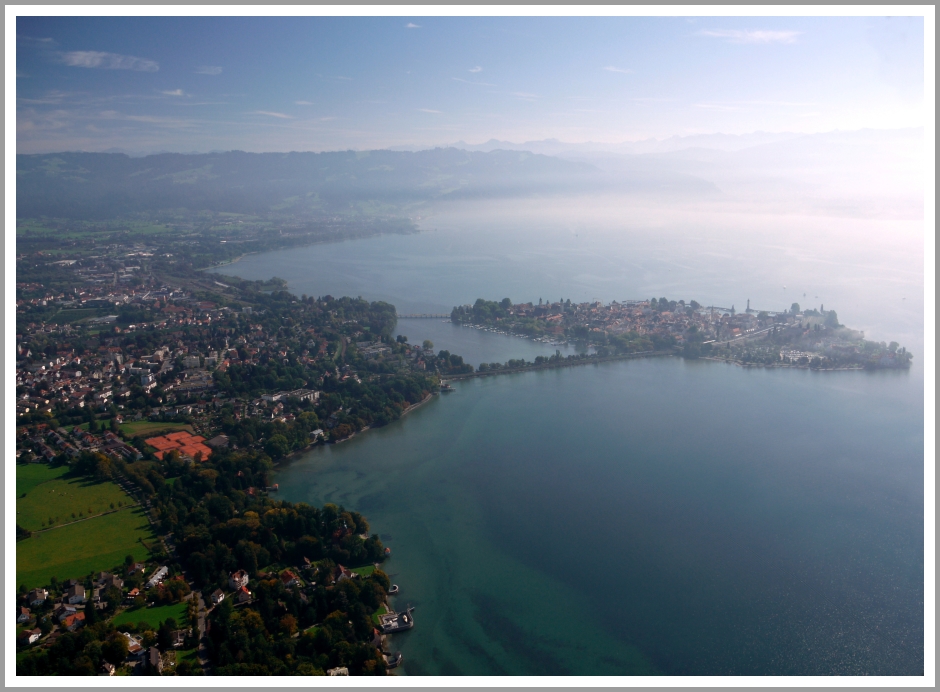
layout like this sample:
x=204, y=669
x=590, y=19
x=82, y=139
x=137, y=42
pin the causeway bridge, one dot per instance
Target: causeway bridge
x=424, y=316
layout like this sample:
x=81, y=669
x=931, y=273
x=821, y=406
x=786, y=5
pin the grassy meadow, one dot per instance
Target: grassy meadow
x=76, y=550
x=153, y=616
x=28, y=476
x=63, y=499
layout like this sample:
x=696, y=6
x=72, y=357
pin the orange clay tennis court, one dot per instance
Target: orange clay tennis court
x=183, y=442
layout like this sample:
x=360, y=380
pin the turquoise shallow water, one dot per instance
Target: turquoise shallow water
x=660, y=516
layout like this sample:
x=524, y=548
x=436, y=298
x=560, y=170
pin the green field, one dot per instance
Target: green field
x=150, y=428
x=78, y=549
x=153, y=616
x=363, y=571
x=64, y=499
x=28, y=476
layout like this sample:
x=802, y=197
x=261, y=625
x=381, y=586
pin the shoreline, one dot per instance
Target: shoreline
x=561, y=364
x=302, y=450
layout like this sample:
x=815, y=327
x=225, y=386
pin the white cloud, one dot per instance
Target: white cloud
x=273, y=114
x=525, y=95
x=209, y=69
x=108, y=61
x=751, y=36
x=611, y=68
x=175, y=92
x=475, y=69
x=428, y=110
x=304, y=103
x=411, y=25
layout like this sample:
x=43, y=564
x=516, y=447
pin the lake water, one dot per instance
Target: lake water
x=645, y=517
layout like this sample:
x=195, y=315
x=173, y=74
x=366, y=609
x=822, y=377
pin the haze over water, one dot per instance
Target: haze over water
x=660, y=516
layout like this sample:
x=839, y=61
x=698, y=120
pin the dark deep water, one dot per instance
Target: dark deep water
x=646, y=517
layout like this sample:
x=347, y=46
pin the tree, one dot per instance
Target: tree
x=832, y=320
x=402, y=339
x=427, y=345
x=165, y=634
x=114, y=648
x=795, y=308
x=277, y=447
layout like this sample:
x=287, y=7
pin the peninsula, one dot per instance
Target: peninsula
x=796, y=337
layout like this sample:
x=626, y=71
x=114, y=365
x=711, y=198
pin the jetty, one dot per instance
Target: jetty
x=396, y=622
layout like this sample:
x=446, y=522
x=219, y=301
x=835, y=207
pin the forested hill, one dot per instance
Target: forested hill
x=91, y=185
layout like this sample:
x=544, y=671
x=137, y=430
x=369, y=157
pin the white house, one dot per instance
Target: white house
x=75, y=594
x=238, y=579
x=157, y=576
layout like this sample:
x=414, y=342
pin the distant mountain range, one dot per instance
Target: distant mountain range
x=555, y=147
x=859, y=169
x=92, y=185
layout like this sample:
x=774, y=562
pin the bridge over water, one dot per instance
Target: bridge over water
x=425, y=316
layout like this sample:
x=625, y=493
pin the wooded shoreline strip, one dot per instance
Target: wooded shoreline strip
x=557, y=364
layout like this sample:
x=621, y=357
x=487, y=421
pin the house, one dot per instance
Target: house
x=218, y=442
x=73, y=622
x=345, y=573
x=338, y=671
x=135, y=568
x=106, y=580
x=178, y=638
x=157, y=576
x=107, y=669
x=133, y=644
x=37, y=597
x=243, y=595
x=238, y=580
x=29, y=636
x=217, y=597
x=289, y=579
x=22, y=615
x=154, y=660
x=75, y=594
x=63, y=611
x=131, y=595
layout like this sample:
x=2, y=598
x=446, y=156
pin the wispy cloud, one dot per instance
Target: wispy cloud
x=428, y=110
x=412, y=25
x=304, y=103
x=611, y=68
x=525, y=95
x=108, y=61
x=475, y=69
x=209, y=69
x=272, y=114
x=174, y=92
x=751, y=36
x=468, y=81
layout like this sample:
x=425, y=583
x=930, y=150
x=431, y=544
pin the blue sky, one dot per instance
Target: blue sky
x=281, y=84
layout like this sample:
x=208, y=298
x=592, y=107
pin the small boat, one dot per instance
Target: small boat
x=447, y=388
x=388, y=552
x=394, y=660
x=393, y=590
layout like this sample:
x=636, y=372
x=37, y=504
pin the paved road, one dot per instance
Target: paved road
x=201, y=650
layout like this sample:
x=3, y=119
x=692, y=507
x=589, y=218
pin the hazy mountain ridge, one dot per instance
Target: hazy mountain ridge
x=101, y=185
